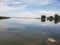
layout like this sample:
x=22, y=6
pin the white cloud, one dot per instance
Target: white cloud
x=2, y=7
x=20, y=6
x=34, y=14
x=9, y=5
x=48, y=13
x=23, y=14
x=39, y=2
x=5, y=8
x=31, y=2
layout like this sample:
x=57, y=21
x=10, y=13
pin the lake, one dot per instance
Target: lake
x=19, y=31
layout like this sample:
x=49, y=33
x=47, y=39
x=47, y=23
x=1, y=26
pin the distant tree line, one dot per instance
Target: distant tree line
x=3, y=17
x=56, y=18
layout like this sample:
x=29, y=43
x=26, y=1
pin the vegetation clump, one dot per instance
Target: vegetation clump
x=55, y=18
x=2, y=17
x=43, y=18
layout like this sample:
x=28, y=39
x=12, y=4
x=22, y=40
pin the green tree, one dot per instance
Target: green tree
x=50, y=18
x=43, y=16
x=57, y=17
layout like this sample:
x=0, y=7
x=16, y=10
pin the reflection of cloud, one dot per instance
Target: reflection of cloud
x=35, y=22
x=25, y=21
x=4, y=26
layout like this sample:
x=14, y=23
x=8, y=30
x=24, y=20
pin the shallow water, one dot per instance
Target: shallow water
x=16, y=31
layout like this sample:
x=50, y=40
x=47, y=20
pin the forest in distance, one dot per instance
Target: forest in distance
x=43, y=18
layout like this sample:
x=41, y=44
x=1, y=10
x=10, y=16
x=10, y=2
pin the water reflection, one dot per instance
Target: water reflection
x=17, y=31
x=50, y=20
x=56, y=18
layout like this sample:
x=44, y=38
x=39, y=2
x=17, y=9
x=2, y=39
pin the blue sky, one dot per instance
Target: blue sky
x=29, y=8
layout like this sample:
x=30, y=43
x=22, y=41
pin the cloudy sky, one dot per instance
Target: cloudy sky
x=29, y=8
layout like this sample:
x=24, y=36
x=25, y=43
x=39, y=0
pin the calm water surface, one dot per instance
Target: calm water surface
x=17, y=31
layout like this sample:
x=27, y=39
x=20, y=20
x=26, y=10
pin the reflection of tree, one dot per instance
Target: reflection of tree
x=43, y=20
x=56, y=18
x=56, y=21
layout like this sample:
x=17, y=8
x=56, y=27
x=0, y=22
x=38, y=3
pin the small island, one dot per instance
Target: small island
x=4, y=17
x=55, y=18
